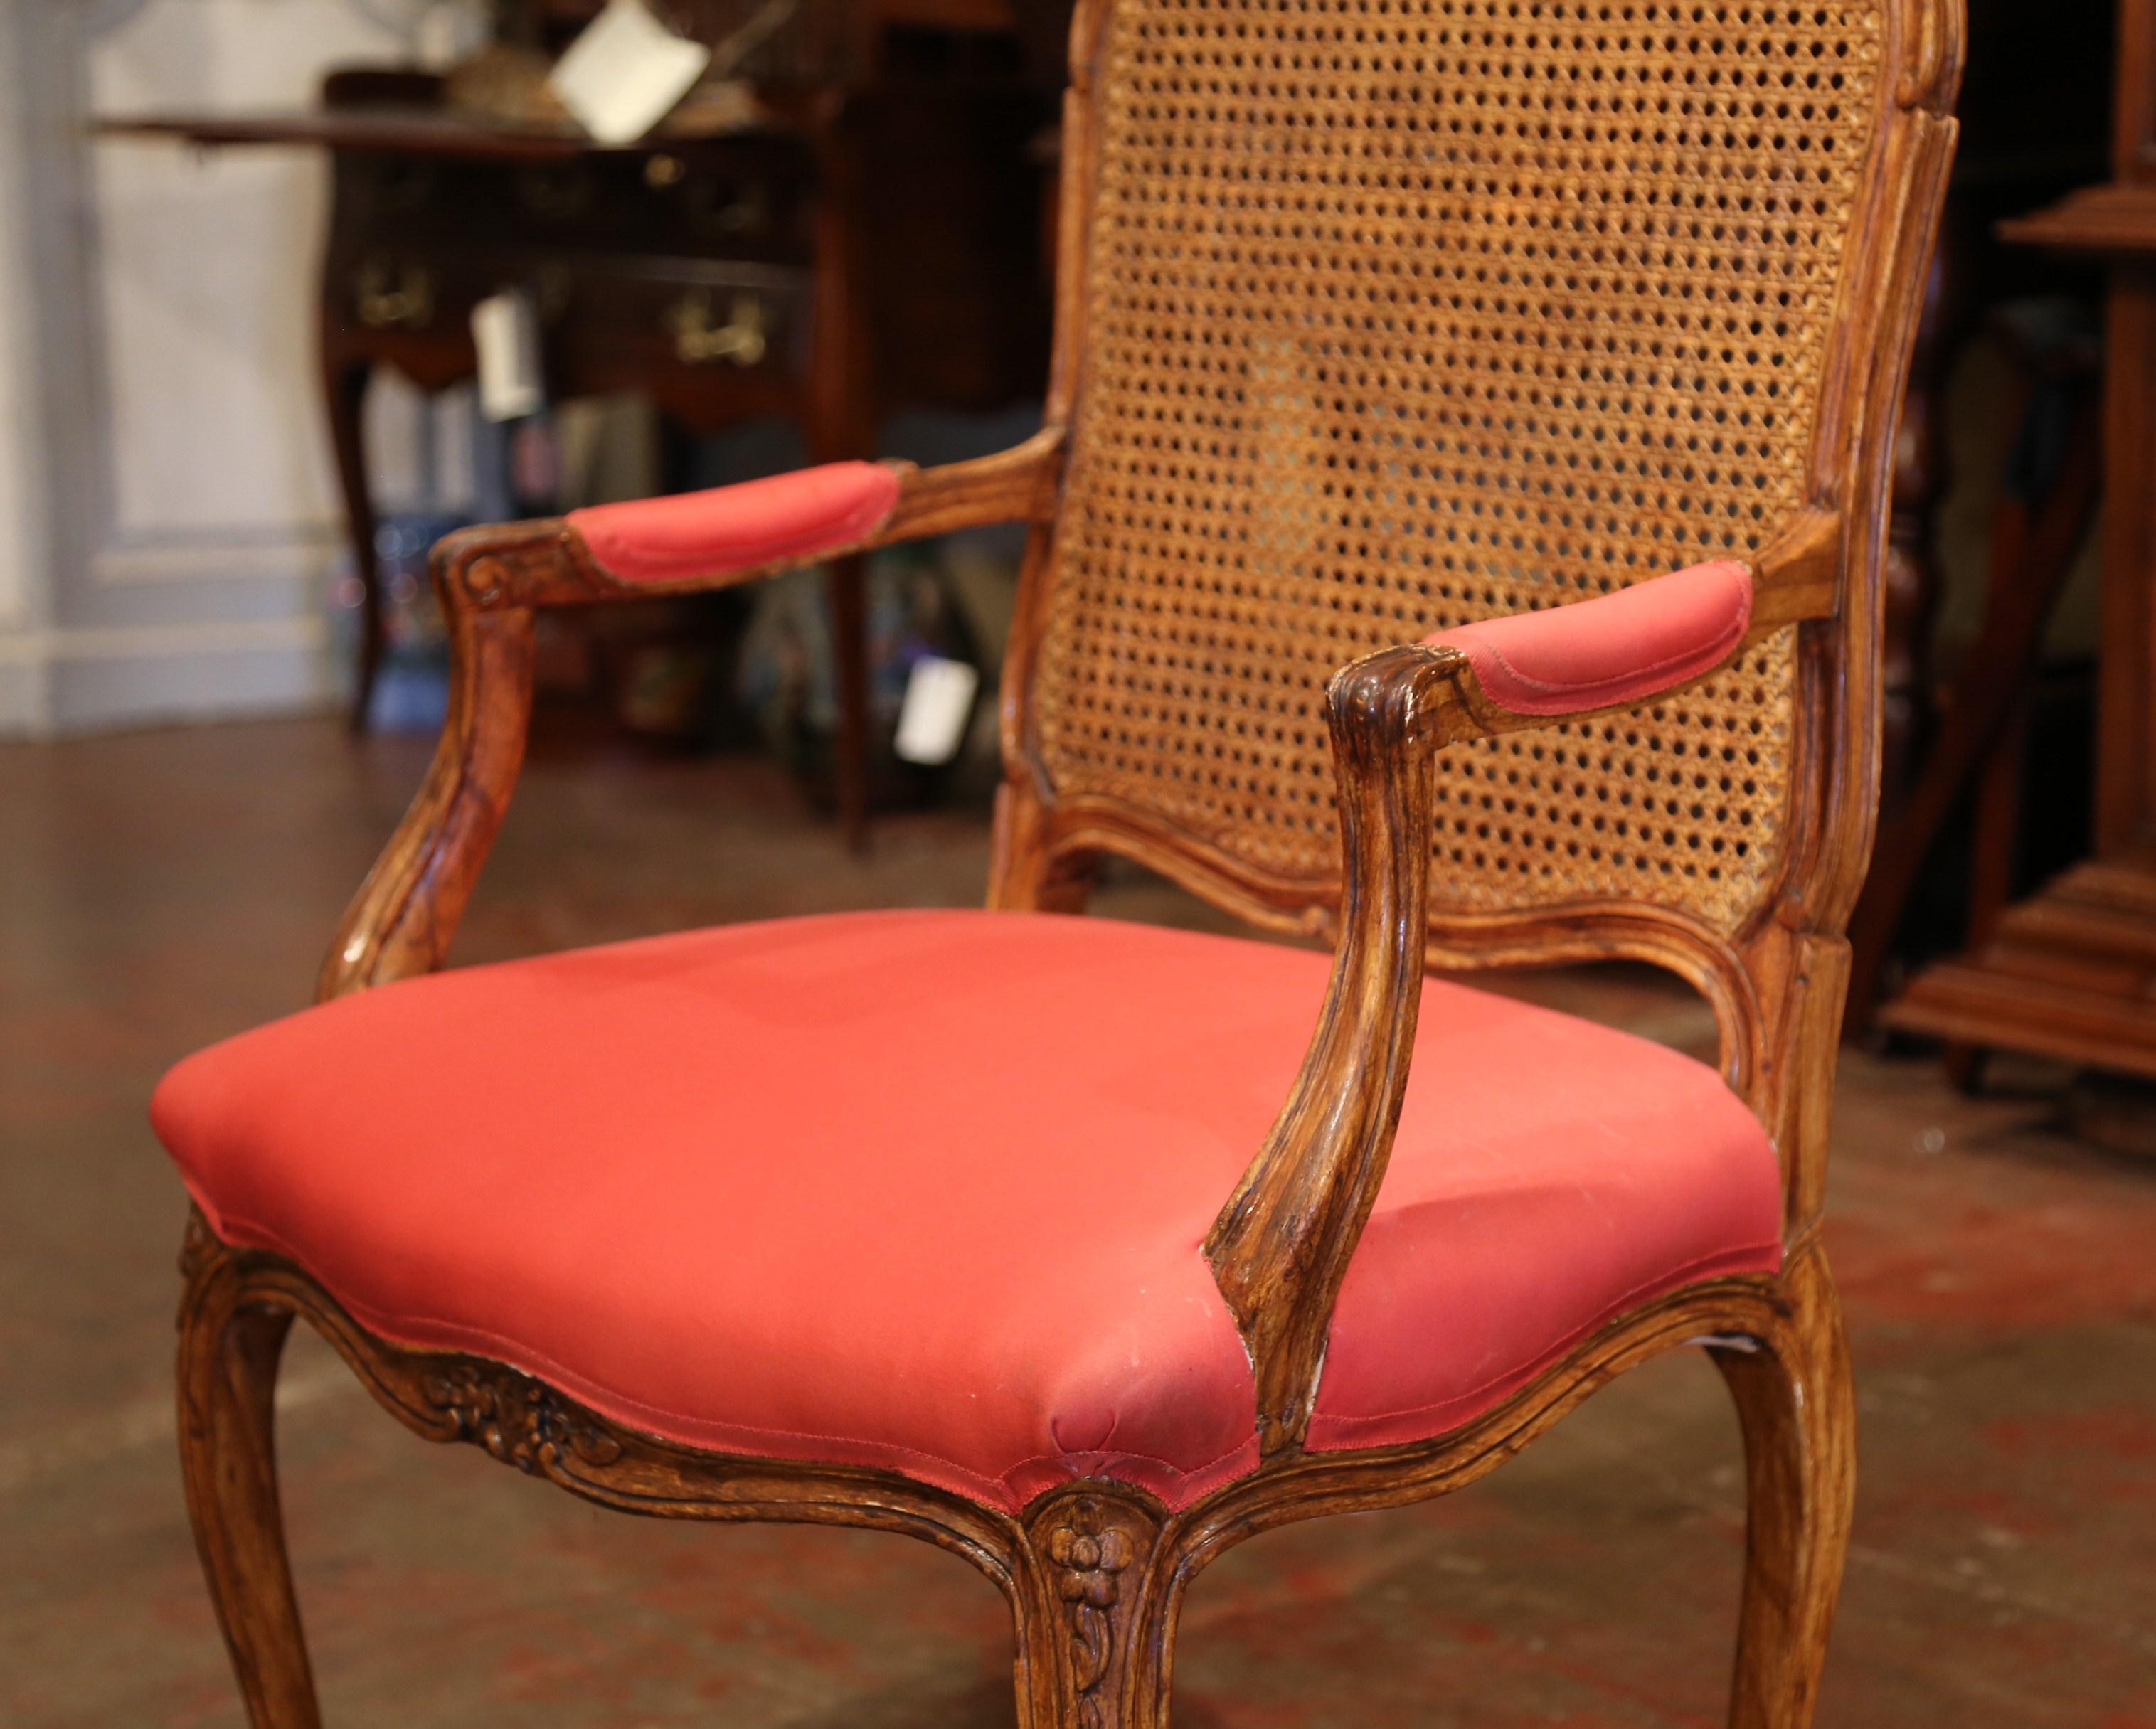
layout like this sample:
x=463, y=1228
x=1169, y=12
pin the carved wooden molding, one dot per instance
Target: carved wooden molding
x=542, y=1432
x=1094, y=1571
x=518, y=1420
x=1089, y=1557
x=522, y=1422
x=1097, y=1546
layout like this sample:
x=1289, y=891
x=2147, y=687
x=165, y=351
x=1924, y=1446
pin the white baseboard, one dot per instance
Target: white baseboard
x=89, y=681
x=22, y=696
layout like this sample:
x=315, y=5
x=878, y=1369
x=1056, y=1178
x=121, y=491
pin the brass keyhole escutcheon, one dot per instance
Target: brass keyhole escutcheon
x=389, y=297
x=742, y=339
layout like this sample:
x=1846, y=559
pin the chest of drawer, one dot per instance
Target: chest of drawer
x=746, y=197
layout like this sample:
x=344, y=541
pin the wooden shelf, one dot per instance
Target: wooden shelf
x=2117, y=221
x=2070, y=974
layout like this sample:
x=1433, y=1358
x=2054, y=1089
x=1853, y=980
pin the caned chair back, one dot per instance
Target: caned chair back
x=1380, y=316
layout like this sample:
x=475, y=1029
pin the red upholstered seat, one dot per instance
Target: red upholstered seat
x=925, y=1190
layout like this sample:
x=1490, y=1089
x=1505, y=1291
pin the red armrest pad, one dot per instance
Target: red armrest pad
x=1620, y=648
x=733, y=528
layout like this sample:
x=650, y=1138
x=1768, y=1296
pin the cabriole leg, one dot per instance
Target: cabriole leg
x=1799, y=1421
x=1094, y=1613
x=228, y=1356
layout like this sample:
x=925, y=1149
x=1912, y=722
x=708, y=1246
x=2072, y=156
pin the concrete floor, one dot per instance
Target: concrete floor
x=160, y=889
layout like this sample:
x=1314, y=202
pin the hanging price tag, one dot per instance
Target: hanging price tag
x=625, y=72
x=939, y=701
x=505, y=333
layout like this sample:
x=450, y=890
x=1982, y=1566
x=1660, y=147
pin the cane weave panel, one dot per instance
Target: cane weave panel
x=1405, y=313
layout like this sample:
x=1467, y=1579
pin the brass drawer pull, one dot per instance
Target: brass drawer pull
x=733, y=208
x=696, y=340
x=395, y=299
x=554, y=194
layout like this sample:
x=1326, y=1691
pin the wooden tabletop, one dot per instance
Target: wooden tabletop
x=400, y=130
x=2116, y=221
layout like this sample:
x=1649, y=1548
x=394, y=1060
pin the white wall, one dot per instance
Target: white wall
x=163, y=461
x=22, y=563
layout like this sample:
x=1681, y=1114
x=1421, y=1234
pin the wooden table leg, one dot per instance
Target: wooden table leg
x=2031, y=559
x=1991, y=859
x=344, y=389
x=849, y=581
x=1912, y=573
x=841, y=427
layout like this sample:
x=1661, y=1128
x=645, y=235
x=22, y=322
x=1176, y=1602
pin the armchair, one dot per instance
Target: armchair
x=1352, y=393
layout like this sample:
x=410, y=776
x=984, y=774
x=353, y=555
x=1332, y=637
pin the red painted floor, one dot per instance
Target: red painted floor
x=159, y=890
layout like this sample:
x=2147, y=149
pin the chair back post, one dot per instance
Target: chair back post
x=1796, y=959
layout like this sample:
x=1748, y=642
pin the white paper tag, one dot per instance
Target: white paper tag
x=939, y=700
x=625, y=72
x=505, y=332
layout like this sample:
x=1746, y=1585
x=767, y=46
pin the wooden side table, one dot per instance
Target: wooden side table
x=719, y=276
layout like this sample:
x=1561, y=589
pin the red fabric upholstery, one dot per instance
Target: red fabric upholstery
x=925, y=1190
x=1618, y=648
x=730, y=528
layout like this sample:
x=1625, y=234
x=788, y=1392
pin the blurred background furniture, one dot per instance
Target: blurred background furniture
x=871, y=240
x=1989, y=628
x=2048, y=498
x=2032, y=129
x=2068, y=972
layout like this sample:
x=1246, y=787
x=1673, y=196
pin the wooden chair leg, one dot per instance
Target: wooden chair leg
x=1094, y=1607
x=1799, y=1420
x=228, y=1357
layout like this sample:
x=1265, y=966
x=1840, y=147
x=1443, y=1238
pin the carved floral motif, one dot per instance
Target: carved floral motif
x=1089, y=1555
x=517, y=1419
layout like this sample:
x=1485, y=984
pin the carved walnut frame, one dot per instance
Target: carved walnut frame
x=1095, y=1571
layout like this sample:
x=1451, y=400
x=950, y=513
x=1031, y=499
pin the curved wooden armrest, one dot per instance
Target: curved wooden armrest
x=1281, y=1246
x=491, y=579
x=726, y=536
x=1623, y=649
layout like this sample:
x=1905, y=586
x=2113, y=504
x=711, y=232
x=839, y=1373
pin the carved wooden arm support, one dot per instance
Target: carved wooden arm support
x=1281, y=1246
x=491, y=580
